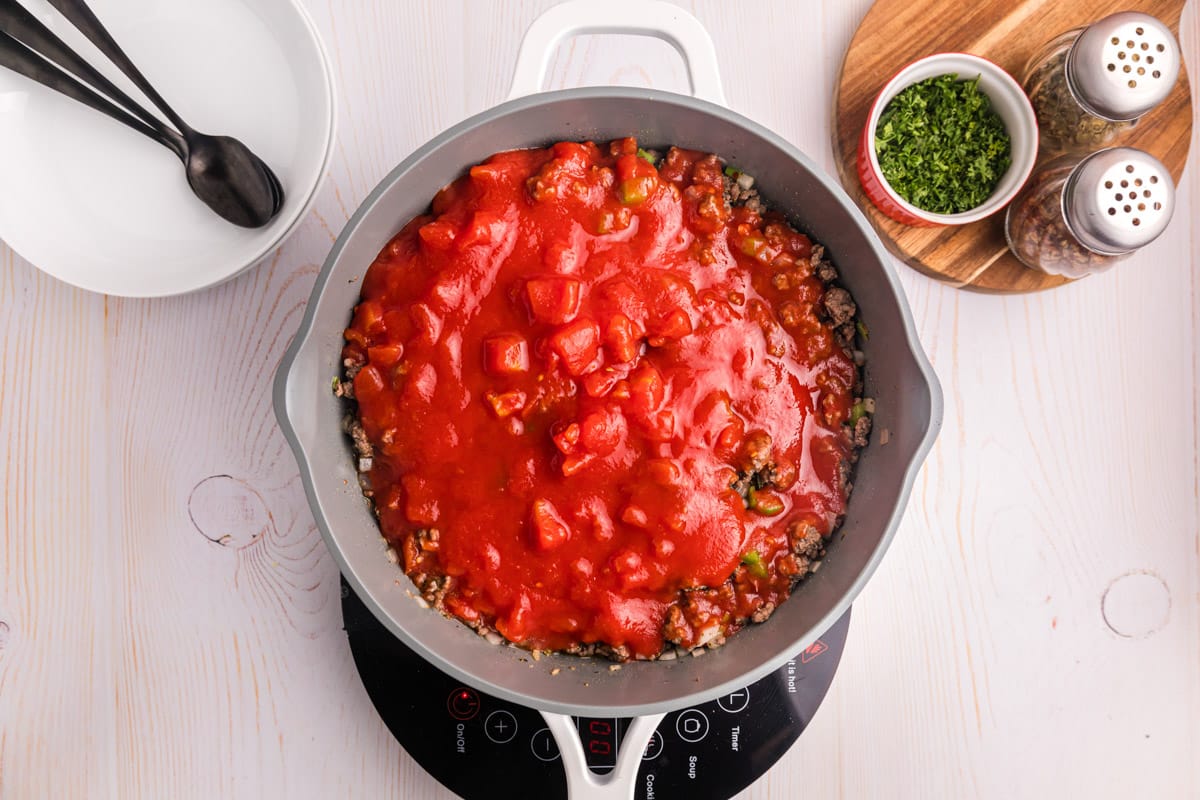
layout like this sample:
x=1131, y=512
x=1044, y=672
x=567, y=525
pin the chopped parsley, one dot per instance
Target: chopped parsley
x=941, y=146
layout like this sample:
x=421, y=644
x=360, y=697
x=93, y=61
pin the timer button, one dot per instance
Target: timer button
x=735, y=701
x=692, y=725
x=463, y=704
x=544, y=746
x=500, y=726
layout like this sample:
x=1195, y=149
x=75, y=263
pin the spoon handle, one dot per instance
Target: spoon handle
x=23, y=26
x=22, y=60
x=81, y=16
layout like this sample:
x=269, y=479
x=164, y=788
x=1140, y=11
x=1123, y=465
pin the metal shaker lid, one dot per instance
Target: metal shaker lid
x=1122, y=66
x=1118, y=200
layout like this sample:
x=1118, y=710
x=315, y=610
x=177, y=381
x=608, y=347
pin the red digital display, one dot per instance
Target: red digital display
x=599, y=737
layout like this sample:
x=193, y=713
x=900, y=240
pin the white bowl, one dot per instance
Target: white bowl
x=1008, y=101
x=97, y=205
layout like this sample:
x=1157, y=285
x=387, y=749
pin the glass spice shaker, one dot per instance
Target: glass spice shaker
x=1081, y=214
x=1091, y=84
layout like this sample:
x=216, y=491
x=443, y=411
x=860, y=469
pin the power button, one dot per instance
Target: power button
x=463, y=704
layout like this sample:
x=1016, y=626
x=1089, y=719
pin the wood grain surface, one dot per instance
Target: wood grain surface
x=896, y=32
x=169, y=617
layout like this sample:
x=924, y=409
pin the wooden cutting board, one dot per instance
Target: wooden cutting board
x=895, y=32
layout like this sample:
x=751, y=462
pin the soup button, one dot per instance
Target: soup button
x=691, y=725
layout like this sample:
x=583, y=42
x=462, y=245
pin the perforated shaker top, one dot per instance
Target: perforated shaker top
x=1122, y=66
x=1118, y=200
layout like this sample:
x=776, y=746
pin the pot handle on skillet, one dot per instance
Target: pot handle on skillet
x=582, y=783
x=661, y=20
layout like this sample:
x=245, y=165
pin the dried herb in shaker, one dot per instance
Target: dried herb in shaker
x=1090, y=85
x=1037, y=232
x=1062, y=122
x=1079, y=215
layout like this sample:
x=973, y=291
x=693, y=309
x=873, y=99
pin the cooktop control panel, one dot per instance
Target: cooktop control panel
x=476, y=744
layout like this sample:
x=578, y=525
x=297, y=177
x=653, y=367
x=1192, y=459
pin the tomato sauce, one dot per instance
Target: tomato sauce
x=568, y=364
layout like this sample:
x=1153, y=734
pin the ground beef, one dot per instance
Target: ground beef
x=805, y=540
x=736, y=195
x=862, y=428
x=845, y=335
x=620, y=653
x=845, y=470
x=756, y=454
x=354, y=429
x=763, y=613
x=840, y=306
x=697, y=615
x=821, y=265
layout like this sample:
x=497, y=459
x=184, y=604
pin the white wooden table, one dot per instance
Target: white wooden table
x=169, y=617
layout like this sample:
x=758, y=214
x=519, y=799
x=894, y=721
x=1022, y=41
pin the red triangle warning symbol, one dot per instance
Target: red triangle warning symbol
x=815, y=649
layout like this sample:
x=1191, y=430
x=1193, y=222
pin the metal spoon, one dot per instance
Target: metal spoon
x=221, y=170
x=19, y=58
x=22, y=26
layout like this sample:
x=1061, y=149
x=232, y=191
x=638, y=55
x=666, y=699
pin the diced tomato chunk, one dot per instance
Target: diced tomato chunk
x=729, y=442
x=662, y=426
x=368, y=382
x=484, y=228
x=412, y=554
x=515, y=625
x=438, y=235
x=625, y=146
x=601, y=431
x=600, y=382
x=487, y=173
x=505, y=354
x=573, y=464
x=506, y=404
x=675, y=325
x=646, y=389
x=627, y=560
x=574, y=155
x=549, y=528
x=385, y=355
x=397, y=323
x=554, y=300
x=621, y=338
x=577, y=344
x=663, y=471
x=368, y=318
x=421, y=506
x=567, y=439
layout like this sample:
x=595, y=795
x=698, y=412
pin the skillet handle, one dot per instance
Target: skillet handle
x=661, y=20
x=582, y=783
